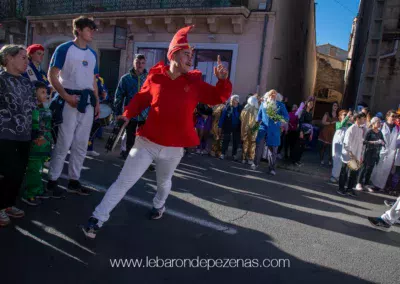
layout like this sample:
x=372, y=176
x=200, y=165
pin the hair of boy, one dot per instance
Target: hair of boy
x=39, y=85
x=139, y=57
x=391, y=112
x=359, y=115
x=343, y=111
x=81, y=23
x=9, y=50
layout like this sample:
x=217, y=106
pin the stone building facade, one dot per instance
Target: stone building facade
x=251, y=36
x=373, y=74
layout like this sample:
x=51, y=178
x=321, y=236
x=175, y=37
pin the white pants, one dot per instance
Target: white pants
x=73, y=133
x=393, y=214
x=142, y=154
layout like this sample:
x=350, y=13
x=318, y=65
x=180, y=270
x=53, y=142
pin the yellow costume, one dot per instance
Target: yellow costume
x=248, y=119
x=216, y=146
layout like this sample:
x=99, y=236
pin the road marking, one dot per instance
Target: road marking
x=174, y=213
x=191, y=166
x=28, y=234
x=54, y=232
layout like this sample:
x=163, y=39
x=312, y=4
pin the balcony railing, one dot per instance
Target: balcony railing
x=11, y=9
x=55, y=7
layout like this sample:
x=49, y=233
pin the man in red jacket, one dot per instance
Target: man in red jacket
x=172, y=93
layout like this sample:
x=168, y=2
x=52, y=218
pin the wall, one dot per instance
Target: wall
x=328, y=76
x=357, y=57
x=293, y=63
x=248, y=46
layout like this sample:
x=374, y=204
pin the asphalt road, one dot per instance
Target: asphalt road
x=216, y=210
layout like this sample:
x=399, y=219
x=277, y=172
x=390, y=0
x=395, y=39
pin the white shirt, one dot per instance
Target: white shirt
x=353, y=142
x=78, y=66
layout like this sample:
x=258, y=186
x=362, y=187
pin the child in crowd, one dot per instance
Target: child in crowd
x=203, y=126
x=337, y=144
x=352, y=150
x=229, y=126
x=373, y=142
x=40, y=148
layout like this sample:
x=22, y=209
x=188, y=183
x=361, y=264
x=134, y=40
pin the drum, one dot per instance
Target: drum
x=354, y=165
x=105, y=115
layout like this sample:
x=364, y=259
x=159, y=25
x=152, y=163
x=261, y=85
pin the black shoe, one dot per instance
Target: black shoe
x=341, y=192
x=389, y=203
x=53, y=190
x=151, y=168
x=352, y=193
x=44, y=195
x=92, y=227
x=74, y=186
x=156, y=214
x=33, y=201
x=123, y=155
x=378, y=223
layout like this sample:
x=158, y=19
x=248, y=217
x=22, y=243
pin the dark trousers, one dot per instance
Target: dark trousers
x=14, y=156
x=283, y=142
x=227, y=139
x=365, y=174
x=299, y=148
x=347, y=176
x=131, y=133
x=290, y=143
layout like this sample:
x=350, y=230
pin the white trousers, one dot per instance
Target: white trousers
x=142, y=154
x=393, y=214
x=73, y=133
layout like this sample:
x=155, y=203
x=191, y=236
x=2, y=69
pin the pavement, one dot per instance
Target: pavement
x=216, y=210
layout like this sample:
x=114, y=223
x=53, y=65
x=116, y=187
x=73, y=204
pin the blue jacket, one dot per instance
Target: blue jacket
x=270, y=129
x=230, y=118
x=129, y=85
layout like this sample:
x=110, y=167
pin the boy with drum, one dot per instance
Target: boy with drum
x=352, y=155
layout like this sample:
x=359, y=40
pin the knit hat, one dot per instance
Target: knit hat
x=33, y=48
x=179, y=41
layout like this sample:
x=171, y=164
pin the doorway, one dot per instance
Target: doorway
x=109, y=69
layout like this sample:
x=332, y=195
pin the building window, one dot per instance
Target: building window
x=204, y=60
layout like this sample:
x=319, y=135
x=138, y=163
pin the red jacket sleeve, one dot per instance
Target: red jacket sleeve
x=140, y=101
x=211, y=95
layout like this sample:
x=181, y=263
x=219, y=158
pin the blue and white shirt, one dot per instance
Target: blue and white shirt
x=78, y=66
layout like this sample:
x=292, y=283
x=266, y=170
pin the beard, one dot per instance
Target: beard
x=270, y=103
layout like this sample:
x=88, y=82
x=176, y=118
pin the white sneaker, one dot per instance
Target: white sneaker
x=250, y=162
x=243, y=162
x=222, y=157
x=322, y=163
x=273, y=173
x=253, y=167
x=204, y=152
x=359, y=187
x=198, y=151
x=93, y=153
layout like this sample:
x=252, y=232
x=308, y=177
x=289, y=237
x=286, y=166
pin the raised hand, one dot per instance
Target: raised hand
x=220, y=71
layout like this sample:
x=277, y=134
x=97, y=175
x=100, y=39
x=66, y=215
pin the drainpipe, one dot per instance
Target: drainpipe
x=26, y=32
x=266, y=18
x=393, y=53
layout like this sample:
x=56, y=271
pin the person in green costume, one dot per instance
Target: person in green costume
x=40, y=149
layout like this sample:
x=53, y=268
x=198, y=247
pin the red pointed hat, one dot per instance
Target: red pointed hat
x=179, y=41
